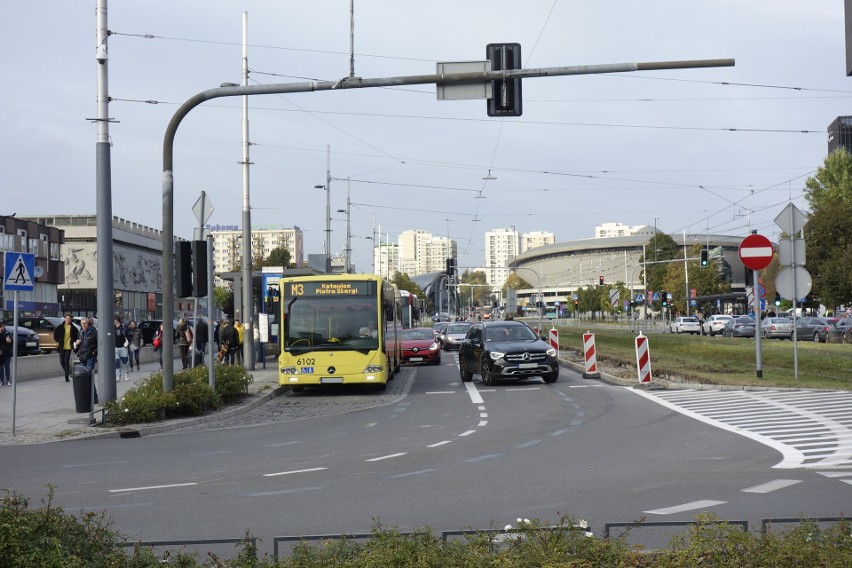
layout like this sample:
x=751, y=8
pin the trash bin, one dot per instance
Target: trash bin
x=82, y=388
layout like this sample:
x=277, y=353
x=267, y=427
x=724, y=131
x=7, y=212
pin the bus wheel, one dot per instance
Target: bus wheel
x=297, y=388
x=381, y=387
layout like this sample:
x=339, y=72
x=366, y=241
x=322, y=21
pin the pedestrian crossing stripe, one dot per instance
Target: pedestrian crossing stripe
x=19, y=268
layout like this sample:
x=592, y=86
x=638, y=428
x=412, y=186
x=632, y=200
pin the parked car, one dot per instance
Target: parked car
x=454, y=334
x=149, y=329
x=505, y=350
x=686, y=324
x=28, y=341
x=43, y=326
x=844, y=326
x=815, y=329
x=742, y=326
x=715, y=324
x=419, y=346
x=780, y=328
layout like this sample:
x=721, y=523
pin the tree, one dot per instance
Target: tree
x=404, y=282
x=660, y=247
x=481, y=292
x=706, y=281
x=223, y=299
x=279, y=256
x=828, y=232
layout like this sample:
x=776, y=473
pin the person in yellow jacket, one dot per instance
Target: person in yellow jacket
x=238, y=325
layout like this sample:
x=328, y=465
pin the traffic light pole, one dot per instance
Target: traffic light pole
x=440, y=79
x=633, y=274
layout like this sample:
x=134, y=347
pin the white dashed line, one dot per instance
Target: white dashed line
x=686, y=507
x=151, y=487
x=387, y=457
x=445, y=442
x=294, y=471
x=771, y=486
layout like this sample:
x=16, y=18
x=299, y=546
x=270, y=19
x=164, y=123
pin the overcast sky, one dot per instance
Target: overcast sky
x=694, y=149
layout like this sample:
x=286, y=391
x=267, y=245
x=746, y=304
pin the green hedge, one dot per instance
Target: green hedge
x=191, y=395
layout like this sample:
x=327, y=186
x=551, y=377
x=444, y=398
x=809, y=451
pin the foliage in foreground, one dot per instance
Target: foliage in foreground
x=49, y=537
x=191, y=395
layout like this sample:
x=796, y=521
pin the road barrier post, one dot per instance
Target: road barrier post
x=643, y=359
x=590, y=356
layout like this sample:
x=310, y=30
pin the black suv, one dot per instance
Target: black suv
x=505, y=350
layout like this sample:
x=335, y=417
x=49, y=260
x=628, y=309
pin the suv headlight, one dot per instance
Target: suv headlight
x=551, y=352
x=496, y=355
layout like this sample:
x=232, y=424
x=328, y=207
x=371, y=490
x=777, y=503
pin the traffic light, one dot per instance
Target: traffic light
x=199, y=268
x=664, y=298
x=601, y=280
x=777, y=299
x=451, y=265
x=506, y=93
x=705, y=258
x=183, y=269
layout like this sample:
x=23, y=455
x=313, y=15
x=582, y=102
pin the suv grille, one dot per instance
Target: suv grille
x=525, y=357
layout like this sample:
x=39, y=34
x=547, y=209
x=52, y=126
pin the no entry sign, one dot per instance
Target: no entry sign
x=756, y=252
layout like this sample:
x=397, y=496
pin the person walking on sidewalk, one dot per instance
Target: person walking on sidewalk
x=87, y=350
x=184, y=341
x=228, y=339
x=135, y=336
x=6, y=346
x=158, y=344
x=122, y=341
x=238, y=326
x=66, y=336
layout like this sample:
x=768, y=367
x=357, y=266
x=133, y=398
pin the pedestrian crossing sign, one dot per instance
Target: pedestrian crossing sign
x=19, y=268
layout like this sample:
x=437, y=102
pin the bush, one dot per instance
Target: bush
x=191, y=395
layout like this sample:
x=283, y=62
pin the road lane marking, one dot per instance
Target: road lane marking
x=294, y=471
x=409, y=474
x=282, y=492
x=484, y=457
x=468, y=433
x=387, y=457
x=474, y=395
x=529, y=444
x=440, y=392
x=771, y=486
x=685, y=507
x=439, y=444
x=151, y=487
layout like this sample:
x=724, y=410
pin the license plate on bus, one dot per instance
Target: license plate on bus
x=331, y=380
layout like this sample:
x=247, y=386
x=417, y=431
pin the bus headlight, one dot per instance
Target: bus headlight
x=373, y=369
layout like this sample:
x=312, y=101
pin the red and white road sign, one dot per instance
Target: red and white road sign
x=756, y=252
x=590, y=356
x=643, y=358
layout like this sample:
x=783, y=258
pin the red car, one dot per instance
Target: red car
x=420, y=346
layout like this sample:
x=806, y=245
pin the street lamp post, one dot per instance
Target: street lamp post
x=327, y=247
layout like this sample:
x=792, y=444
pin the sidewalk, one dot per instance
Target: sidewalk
x=45, y=410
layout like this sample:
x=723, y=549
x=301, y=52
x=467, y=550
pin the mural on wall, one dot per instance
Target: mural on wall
x=137, y=271
x=80, y=265
x=133, y=270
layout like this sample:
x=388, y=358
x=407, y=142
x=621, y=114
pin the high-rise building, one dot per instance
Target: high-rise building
x=421, y=252
x=536, y=239
x=609, y=230
x=840, y=134
x=501, y=246
x=228, y=245
x=386, y=259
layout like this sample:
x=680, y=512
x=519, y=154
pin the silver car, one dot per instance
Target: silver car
x=780, y=328
x=454, y=334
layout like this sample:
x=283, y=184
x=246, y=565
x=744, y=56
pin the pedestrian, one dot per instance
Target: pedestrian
x=238, y=327
x=157, y=341
x=256, y=338
x=229, y=338
x=184, y=341
x=6, y=346
x=87, y=349
x=66, y=335
x=135, y=336
x=202, y=335
x=122, y=342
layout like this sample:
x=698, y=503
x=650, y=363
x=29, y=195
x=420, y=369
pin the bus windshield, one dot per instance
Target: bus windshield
x=331, y=322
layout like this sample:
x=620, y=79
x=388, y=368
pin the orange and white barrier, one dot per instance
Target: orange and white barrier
x=553, y=337
x=590, y=356
x=643, y=358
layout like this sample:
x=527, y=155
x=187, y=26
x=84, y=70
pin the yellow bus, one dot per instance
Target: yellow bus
x=339, y=329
